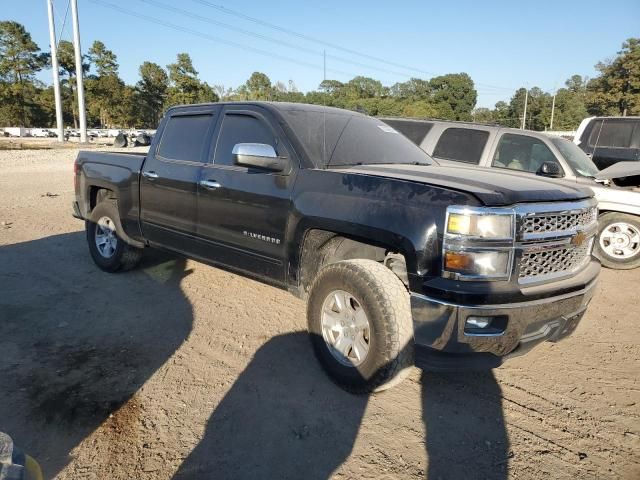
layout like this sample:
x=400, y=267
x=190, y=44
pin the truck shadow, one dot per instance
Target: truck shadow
x=466, y=436
x=77, y=343
x=284, y=419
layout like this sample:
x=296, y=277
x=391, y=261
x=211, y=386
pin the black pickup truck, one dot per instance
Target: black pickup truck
x=402, y=261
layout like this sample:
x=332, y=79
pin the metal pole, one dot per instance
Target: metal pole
x=56, y=73
x=324, y=64
x=79, y=73
x=524, y=116
x=553, y=109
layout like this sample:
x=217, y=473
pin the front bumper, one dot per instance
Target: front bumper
x=442, y=343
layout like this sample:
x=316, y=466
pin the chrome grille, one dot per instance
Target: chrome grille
x=558, y=221
x=536, y=265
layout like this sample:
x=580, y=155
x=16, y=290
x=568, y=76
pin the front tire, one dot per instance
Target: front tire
x=618, y=242
x=108, y=250
x=360, y=325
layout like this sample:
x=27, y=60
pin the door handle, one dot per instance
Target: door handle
x=209, y=184
x=150, y=175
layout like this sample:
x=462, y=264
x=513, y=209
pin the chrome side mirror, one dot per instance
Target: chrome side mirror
x=258, y=155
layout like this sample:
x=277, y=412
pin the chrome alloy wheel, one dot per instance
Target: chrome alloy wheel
x=345, y=328
x=620, y=240
x=105, y=236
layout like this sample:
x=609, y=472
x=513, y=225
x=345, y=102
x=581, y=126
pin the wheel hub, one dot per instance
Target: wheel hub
x=105, y=237
x=345, y=328
x=620, y=240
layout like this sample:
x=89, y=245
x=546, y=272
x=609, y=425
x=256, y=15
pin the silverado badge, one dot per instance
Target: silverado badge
x=578, y=239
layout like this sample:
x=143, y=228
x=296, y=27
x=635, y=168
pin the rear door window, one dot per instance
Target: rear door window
x=184, y=137
x=461, y=144
x=520, y=152
x=241, y=128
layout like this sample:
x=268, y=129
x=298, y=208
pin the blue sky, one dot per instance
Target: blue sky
x=501, y=44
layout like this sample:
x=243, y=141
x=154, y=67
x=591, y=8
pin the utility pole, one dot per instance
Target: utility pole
x=79, y=73
x=524, y=115
x=324, y=64
x=553, y=109
x=56, y=72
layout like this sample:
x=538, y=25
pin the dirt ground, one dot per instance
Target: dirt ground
x=179, y=370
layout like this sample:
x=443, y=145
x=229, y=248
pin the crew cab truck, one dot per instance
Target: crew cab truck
x=401, y=261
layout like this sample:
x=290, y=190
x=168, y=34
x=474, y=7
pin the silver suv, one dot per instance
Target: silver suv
x=536, y=153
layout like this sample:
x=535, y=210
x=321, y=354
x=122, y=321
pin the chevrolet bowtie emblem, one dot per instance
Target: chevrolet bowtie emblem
x=578, y=239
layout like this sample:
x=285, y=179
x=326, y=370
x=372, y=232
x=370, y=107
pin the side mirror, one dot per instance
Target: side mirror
x=550, y=169
x=258, y=155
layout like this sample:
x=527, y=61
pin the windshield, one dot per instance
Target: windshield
x=577, y=159
x=339, y=138
x=366, y=140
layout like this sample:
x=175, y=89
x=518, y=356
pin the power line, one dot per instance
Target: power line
x=323, y=42
x=303, y=36
x=214, y=38
x=64, y=23
x=268, y=38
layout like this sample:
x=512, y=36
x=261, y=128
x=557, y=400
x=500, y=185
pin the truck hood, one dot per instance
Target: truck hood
x=493, y=188
x=619, y=170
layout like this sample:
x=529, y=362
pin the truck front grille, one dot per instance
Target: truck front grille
x=559, y=221
x=535, y=265
x=555, y=240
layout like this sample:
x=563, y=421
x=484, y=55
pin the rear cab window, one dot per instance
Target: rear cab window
x=613, y=133
x=522, y=153
x=184, y=137
x=461, y=145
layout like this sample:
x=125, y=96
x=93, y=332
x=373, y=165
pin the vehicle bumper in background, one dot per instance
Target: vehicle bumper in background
x=445, y=341
x=76, y=210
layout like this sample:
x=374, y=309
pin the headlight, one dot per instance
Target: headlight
x=486, y=263
x=478, y=243
x=480, y=225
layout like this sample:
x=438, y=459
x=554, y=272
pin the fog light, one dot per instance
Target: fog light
x=478, y=322
x=489, y=325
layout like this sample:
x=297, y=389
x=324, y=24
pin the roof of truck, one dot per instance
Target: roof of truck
x=279, y=106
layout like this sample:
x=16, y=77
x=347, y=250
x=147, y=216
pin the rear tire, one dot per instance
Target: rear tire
x=375, y=319
x=618, y=242
x=108, y=250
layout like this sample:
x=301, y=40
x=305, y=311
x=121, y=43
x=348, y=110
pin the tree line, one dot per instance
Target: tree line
x=111, y=103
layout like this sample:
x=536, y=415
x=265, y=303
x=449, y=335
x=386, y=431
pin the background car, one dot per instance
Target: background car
x=535, y=153
x=608, y=140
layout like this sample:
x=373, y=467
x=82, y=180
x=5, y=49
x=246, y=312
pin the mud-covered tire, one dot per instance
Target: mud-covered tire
x=385, y=301
x=124, y=256
x=613, y=221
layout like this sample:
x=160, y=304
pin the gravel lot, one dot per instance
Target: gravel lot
x=179, y=370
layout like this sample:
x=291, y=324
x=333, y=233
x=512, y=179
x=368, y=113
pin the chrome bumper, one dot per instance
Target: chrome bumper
x=439, y=327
